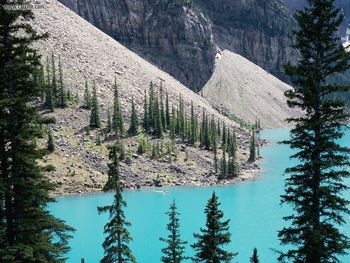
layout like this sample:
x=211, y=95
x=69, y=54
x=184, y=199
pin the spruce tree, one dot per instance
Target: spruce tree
x=315, y=185
x=146, y=121
x=28, y=232
x=175, y=249
x=87, y=96
x=252, y=149
x=116, y=243
x=50, y=142
x=54, y=79
x=117, y=118
x=210, y=242
x=167, y=110
x=62, y=94
x=134, y=122
x=254, y=258
x=109, y=121
x=49, y=100
x=95, y=121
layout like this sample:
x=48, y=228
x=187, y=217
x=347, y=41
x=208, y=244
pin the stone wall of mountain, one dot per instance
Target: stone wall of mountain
x=182, y=37
x=295, y=5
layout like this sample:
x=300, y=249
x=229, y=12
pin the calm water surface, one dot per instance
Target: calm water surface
x=253, y=208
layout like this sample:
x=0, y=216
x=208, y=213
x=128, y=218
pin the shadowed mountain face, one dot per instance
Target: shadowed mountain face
x=182, y=38
x=295, y=5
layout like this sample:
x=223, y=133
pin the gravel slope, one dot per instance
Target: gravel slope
x=248, y=91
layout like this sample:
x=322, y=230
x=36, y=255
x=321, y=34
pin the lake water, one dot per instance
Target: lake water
x=253, y=208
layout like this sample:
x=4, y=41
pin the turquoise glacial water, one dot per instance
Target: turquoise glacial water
x=253, y=208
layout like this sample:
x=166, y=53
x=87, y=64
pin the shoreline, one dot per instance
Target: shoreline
x=246, y=175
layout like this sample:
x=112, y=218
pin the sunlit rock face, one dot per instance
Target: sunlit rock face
x=183, y=38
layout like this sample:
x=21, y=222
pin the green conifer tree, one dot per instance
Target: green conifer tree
x=117, y=118
x=109, y=121
x=50, y=142
x=252, y=153
x=315, y=185
x=175, y=249
x=95, y=121
x=146, y=121
x=54, y=79
x=28, y=232
x=116, y=243
x=210, y=242
x=87, y=96
x=254, y=258
x=134, y=122
x=62, y=94
x=167, y=111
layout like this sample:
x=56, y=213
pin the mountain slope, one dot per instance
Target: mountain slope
x=241, y=87
x=80, y=162
x=182, y=38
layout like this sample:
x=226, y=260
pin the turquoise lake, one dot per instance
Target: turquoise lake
x=253, y=208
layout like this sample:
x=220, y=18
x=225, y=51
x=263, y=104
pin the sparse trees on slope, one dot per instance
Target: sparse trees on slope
x=315, y=186
x=210, y=242
x=62, y=94
x=252, y=153
x=174, y=250
x=116, y=243
x=28, y=232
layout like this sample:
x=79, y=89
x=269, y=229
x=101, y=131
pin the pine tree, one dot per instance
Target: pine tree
x=95, y=121
x=117, y=118
x=167, y=111
x=54, y=80
x=28, y=232
x=116, y=243
x=252, y=153
x=158, y=129
x=62, y=94
x=314, y=187
x=87, y=96
x=193, y=126
x=145, y=121
x=134, y=122
x=254, y=258
x=210, y=242
x=174, y=250
x=223, y=165
x=173, y=123
x=49, y=100
x=109, y=121
x=50, y=142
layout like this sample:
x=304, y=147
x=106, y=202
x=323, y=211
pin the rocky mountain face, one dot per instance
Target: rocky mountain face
x=295, y=5
x=182, y=37
x=175, y=36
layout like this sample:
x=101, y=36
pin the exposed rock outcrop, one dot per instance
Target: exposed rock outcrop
x=177, y=37
x=181, y=38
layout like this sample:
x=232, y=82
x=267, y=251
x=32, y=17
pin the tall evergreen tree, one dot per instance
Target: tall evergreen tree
x=210, y=242
x=95, y=121
x=175, y=249
x=146, y=121
x=50, y=142
x=314, y=187
x=109, y=121
x=254, y=258
x=87, y=96
x=252, y=149
x=62, y=94
x=116, y=243
x=28, y=232
x=134, y=122
x=117, y=118
x=167, y=110
x=54, y=79
x=49, y=98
